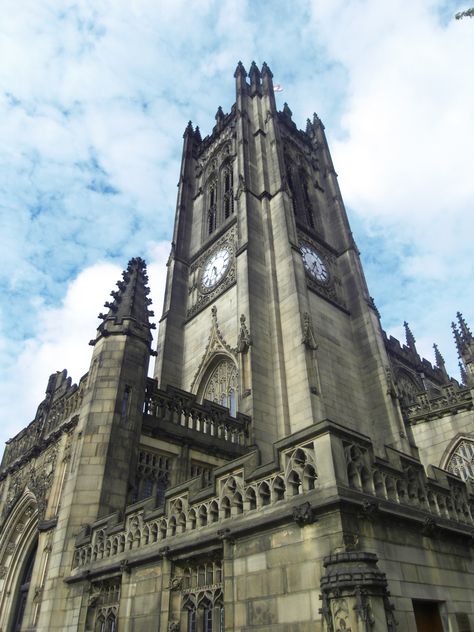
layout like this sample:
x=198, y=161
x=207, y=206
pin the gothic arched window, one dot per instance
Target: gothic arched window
x=407, y=389
x=219, y=195
x=212, y=207
x=222, y=385
x=461, y=461
x=23, y=588
x=228, y=199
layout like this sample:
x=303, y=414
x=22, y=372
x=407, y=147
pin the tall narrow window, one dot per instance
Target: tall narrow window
x=207, y=619
x=306, y=201
x=192, y=620
x=212, y=212
x=228, y=192
x=23, y=591
x=222, y=385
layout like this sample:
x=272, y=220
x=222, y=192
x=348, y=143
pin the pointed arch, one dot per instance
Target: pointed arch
x=18, y=543
x=217, y=350
x=458, y=458
x=220, y=382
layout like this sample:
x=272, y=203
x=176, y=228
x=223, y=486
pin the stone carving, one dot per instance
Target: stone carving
x=176, y=583
x=216, y=345
x=3, y=571
x=245, y=339
x=363, y=607
x=179, y=516
x=391, y=387
x=370, y=508
x=125, y=567
x=173, y=626
x=325, y=611
x=341, y=615
x=389, y=612
x=303, y=514
x=354, y=583
x=309, y=339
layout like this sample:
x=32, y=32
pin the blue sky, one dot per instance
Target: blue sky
x=95, y=96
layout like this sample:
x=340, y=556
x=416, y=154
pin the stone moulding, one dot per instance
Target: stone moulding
x=289, y=490
x=449, y=402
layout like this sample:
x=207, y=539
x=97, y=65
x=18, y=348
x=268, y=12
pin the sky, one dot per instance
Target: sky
x=94, y=99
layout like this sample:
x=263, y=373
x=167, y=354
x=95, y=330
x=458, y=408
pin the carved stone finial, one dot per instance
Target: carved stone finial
x=240, y=70
x=286, y=110
x=410, y=338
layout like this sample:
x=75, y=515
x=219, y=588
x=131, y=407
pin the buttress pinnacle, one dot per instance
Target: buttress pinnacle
x=410, y=338
x=128, y=312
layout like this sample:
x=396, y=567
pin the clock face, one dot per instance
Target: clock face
x=215, y=268
x=314, y=265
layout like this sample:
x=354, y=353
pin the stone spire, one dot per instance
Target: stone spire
x=464, y=329
x=463, y=373
x=219, y=118
x=465, y=346
x=457, y=339
x=189, y=131
x=410, y=338
x=128, y=311
x=255, y=78
x=440, y=362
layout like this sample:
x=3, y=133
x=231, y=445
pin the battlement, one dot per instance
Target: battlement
x=63, y=399
x=295, y=486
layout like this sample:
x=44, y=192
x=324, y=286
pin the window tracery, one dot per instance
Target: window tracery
x=202, y=597
x=461, y=461
x=103, y=605
x=299, y=186
x=219, y=196
x=153, y=471
x=222, y=385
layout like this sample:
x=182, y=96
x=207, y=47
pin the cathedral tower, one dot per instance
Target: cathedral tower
x=266, y=308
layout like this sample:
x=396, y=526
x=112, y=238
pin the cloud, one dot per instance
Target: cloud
x=93, y=103
x=62, y=335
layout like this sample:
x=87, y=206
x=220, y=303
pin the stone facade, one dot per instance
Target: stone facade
x=288, y=468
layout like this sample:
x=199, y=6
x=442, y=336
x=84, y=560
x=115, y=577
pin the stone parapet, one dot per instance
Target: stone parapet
x=313, y=470
x=451, y=400
x=181, y=409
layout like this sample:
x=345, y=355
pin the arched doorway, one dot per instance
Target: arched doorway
x=22, y=590
x=18, y=548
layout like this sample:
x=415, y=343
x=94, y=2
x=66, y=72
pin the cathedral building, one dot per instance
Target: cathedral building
x=289, y=468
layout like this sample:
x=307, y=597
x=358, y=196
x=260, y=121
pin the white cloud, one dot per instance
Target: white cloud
x=93, y=102
x=62, y=336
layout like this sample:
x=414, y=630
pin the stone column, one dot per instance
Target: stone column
x=354, y=594
x=227, y=577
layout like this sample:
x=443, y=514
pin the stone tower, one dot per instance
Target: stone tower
x=261, y=236
x=272, y=475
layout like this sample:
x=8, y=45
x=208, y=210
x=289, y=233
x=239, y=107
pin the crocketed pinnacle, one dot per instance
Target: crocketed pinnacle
x=128, y=312
x=409, y=337
x=463, y=373
x=438, y=357
x=440, y=362
x=457, y=339
x=240, y=70
x=464, y=329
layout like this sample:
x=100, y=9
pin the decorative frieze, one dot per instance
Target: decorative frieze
x=235, y=497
